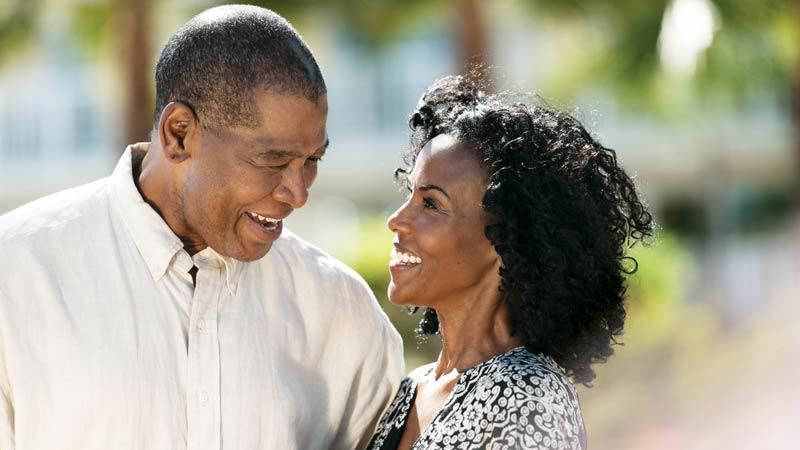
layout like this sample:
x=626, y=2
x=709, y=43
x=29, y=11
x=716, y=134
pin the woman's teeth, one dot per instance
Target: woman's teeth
x=403, y=258
x=266, y=222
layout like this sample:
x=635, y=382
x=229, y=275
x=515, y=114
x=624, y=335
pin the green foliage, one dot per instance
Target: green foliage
x=659, y=285
x=376, y=22
x=659, y=278
x=755, y=50
x=17, y=19
x=374, y=242
x=91, y=24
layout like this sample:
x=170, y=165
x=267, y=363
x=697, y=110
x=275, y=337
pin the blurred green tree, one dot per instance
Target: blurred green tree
x=16, y=25
x=755, y=44
x=123, y=25
x=753, y=48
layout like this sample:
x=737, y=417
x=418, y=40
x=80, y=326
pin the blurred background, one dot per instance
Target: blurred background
x=700, y=98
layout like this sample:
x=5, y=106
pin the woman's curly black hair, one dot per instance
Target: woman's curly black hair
x=563, y=215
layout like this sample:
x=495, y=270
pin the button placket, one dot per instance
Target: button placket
x=203, y=389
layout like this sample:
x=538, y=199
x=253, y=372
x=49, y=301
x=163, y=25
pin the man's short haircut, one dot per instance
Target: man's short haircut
x=215, y=61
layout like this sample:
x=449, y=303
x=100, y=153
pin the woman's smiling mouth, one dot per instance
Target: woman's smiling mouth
x=401, y=261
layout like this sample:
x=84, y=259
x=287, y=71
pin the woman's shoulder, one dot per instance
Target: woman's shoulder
x=408, y=386
x=531, y=392
x=415, y=375
x=520, y=368
x=534, y=378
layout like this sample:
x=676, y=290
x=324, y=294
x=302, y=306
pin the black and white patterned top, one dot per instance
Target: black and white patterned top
x=516, y=400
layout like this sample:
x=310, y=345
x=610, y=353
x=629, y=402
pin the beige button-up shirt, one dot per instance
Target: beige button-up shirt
x=106, y=344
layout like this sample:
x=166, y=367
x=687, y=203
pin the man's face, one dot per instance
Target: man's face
x=240, y=183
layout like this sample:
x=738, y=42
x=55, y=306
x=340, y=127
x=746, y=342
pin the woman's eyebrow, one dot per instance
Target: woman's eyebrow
x=429, y=187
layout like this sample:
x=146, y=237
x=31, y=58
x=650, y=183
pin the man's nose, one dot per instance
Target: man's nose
x=293, y=189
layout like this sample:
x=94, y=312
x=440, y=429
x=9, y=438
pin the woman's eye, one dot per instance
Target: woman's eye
x=429, y=204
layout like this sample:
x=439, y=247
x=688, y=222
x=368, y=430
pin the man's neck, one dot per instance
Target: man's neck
x=137, y=157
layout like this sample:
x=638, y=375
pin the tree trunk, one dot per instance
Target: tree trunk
x=133, y=19
x=796, y=133
x=471, y=38
x=796, y=115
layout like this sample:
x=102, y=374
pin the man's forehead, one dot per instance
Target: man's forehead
x=287, y=123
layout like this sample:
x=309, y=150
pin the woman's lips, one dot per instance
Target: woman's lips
x=402, y=261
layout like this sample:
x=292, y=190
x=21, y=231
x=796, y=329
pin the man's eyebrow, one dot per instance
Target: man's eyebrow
x=429, y=187
x=279, y=154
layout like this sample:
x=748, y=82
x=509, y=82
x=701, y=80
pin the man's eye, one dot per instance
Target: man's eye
x=313, y=161
x=280, y=167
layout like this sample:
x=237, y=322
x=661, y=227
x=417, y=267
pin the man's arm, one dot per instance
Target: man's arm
x=6, y=417
x=377, y=380
x=6, y=406
x=378, y=385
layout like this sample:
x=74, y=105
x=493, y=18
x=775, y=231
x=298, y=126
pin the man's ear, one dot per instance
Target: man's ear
x=177, y=121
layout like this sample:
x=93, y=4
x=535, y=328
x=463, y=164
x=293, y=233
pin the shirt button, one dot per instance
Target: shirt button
x=201, y=324
x=203, y=397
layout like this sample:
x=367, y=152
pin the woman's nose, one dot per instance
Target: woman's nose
x=397, y=221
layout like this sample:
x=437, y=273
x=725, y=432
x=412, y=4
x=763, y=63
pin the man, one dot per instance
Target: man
x=165, y=307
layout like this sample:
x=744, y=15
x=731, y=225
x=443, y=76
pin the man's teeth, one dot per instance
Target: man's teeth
x=262, y=219
x=402, y=257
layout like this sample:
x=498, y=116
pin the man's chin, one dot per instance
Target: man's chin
x=247, y=254
x=254, y=254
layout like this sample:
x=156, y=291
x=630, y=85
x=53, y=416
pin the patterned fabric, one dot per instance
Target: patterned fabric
x=516, y=400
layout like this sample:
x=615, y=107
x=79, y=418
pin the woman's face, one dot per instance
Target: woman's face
x=440, y=251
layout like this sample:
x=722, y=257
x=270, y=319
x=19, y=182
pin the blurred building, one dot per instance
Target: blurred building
x=61, y=120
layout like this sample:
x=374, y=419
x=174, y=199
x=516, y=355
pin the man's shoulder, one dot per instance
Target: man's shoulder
x=54, y=211
x=301, y=255
x=322, y=279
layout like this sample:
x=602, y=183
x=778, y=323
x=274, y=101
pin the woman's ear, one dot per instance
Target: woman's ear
x=177, y=121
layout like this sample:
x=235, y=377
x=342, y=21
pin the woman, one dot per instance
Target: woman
x=513, y=238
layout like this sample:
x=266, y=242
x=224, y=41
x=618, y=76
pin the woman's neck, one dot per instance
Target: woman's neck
x=473, y=331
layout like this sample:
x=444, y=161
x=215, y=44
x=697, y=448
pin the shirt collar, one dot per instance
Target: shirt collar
x=209, y=258
x=158, y=244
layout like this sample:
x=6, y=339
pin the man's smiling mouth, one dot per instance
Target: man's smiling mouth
x=266, y=222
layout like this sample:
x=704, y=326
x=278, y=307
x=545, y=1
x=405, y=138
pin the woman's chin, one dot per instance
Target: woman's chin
x=396, y=295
